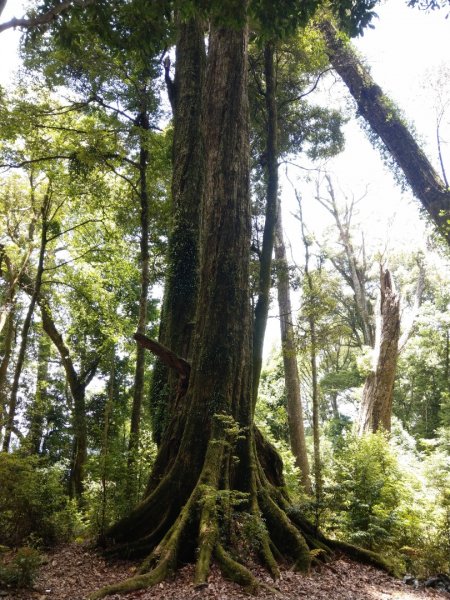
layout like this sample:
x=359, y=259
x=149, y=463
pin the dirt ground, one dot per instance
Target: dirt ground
x=72, y=572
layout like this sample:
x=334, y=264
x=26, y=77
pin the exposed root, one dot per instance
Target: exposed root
x=235, y=571
x=208, y=534
x=364, y=556
x=281, y=533
x=286, y=537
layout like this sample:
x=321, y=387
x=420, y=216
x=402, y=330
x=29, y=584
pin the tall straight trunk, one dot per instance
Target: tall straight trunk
x=39, y=406
x=315, y=397
x=139, y=376
x=181, y=287
x=27, y=324
x=386, y=121
x=376, y=407
x=7, y=344
x=291, y=374
x=265, y=267
x=315, y=408
x=105, y=440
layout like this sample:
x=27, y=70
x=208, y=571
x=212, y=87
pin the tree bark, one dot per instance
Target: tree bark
x=385, y=120
x=181, y=288
x=291, y=374
x=190, y=506
x=315, y=396
x=376, y=407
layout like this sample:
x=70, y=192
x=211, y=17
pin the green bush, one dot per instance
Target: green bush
x=21, y=571
x=33, y=503
x=367, y=491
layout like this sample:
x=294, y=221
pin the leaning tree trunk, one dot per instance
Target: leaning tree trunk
x=386, y=121
x=376, y=408
x=291, y=374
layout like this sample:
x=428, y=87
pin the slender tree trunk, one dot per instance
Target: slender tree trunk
x=7, y=344
x=354, y=274
x=315, y=408
x=265, y=268
x=77, y=385
x=139, y=377
x=386, y=121
x=291, y=374
x=26, y=326
x=39, y=408
x=376, y=407
x=313, y=362
x=105, y=441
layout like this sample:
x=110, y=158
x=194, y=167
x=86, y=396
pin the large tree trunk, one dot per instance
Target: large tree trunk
x=180, y=511
x=221, y=465
x=291, y=374
x=386, y=121
x=180, y=295
x=376, y=407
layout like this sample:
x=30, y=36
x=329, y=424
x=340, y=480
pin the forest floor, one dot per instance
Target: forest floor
x=73, y=571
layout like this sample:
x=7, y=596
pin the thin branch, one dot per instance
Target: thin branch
x=310, y=91
x=101, y=102
x=32, y=161
x=44, y=18
x=72, y=259
x=57, y=235
x=129, y=181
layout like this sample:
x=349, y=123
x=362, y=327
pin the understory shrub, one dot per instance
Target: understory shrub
x=21, y=571
x=33, y=504
x=391, y=495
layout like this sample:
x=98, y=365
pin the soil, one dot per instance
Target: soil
x=73, y=571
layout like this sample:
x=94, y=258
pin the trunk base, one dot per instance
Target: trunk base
x=217, y=522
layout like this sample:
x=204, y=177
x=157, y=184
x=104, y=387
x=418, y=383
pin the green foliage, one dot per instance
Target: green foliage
x=33, y=502
x=21, y=571
x=368, y=490
x=107, y=496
